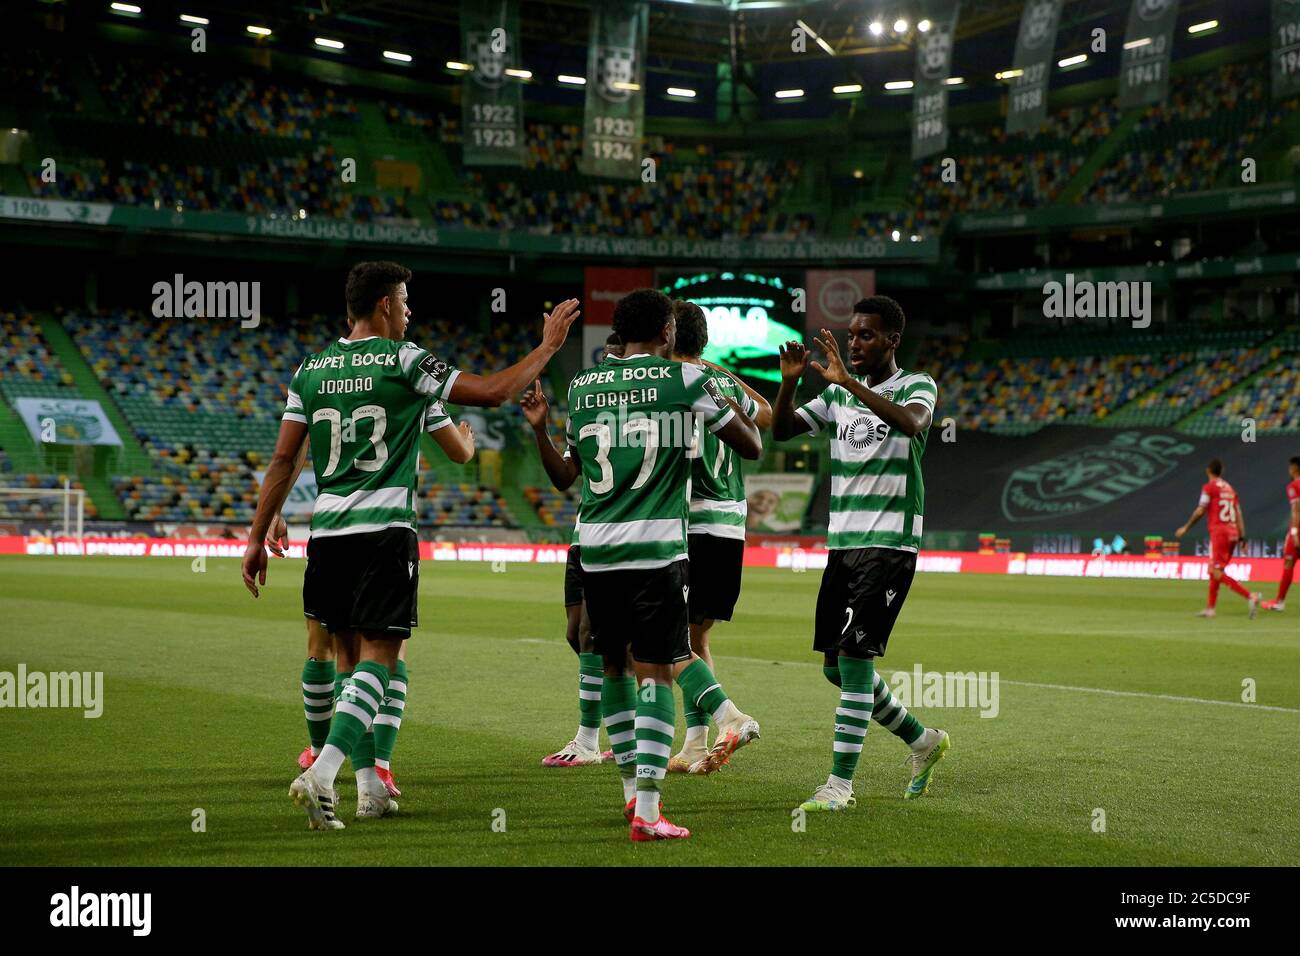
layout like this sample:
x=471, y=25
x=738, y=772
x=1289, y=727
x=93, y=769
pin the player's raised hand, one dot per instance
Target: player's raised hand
x=555, y=327
x=467, y=433
x=535, y=406
x=794, y=359
x=254, y=566
x=277, y=539
x=834, y=370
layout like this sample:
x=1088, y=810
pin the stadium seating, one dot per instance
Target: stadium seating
x=556, y=509
x=1125, y=379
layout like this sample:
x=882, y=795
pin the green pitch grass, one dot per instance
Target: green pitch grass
x=202, y=711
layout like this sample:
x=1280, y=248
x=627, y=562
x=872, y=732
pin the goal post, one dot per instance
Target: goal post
x=65, y=507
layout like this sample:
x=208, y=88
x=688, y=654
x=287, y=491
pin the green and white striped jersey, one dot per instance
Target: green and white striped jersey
x=631, y=426
x=717, y=484
x=365, y=403
x=877, y=492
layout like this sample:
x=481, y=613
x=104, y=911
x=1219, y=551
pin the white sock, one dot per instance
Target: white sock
x=367, y=779
x=647, y=805
x=326, y=767
x=629, y=788
x=588, y=737
x=381, y=764
x=726, y=714
x=696, y=737
x=839, y=783
x=315, y=751
x=926, y=740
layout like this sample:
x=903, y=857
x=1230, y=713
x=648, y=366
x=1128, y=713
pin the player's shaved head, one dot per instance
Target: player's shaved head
x=692, y=329
x=368, y=282
x=1215, y=467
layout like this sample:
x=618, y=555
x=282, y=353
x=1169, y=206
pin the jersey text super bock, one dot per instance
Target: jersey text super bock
x=877, y=492
x=365, y=403
x=631, y=427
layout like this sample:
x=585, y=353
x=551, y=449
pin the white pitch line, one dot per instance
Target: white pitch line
x=1022, y=683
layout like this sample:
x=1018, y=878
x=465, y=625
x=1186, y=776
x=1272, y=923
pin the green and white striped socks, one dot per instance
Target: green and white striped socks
x=700, y=689
x=590, y=679
x=852, y=718
x=354, y=712
x=654, y=743
x=317, y=700
x=389, y=719
x=886, y=710
x=618, y=704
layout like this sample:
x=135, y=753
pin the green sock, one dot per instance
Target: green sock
x=853, y=716
x=339, y=678
x=700, y=689
x=893, y=716
x=832, y=674
x=389, y=719
x=591, y=678
x=363, y=754
x=618, y=705
x=318, y=699
x=654, y=740
x=358, y=703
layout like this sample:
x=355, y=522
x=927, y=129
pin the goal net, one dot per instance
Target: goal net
x=61, y=510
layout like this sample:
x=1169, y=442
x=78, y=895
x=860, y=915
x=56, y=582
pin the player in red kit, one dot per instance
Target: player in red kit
x=1292, y=539
x=1227, y=530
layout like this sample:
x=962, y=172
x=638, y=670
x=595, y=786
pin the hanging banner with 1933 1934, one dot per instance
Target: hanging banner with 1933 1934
x=615, y=117
x=1148, y=48
x=1286, y=48
x=1027, y=99
x=492, y=100
x=929, y=88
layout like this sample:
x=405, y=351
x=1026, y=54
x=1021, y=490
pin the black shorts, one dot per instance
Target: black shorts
x=573, y=577
x=644, y=608
x=862, y=591
x=364, y=582
x=715, y=576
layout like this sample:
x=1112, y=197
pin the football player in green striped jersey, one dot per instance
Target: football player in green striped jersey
x=879, y=415
x=631, y=426
x=362, y=403
x=584, y=748
x=716, y=532
x=329, y=661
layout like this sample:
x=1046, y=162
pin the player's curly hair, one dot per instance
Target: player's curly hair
x=692, y=329
x=890, y=312
x=368, y=282
x=641, y=315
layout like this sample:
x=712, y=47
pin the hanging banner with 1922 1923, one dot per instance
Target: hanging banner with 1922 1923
x=1286, y=48
x=492, y=101
x=615, y=116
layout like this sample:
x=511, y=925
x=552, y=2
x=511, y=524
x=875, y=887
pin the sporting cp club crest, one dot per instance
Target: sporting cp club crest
x=489, y=65
x=934, y=50
x=1037, y=24
x=616, y=73
x=1153, y=9
x=1089, y=477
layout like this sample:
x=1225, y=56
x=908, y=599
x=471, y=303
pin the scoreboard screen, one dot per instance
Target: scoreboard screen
x=750, y=314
